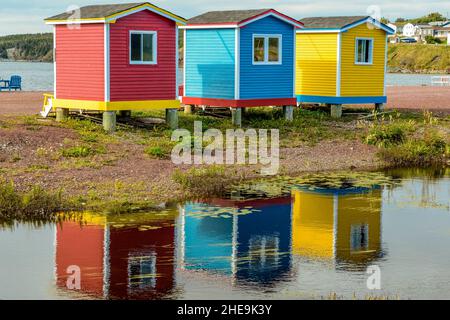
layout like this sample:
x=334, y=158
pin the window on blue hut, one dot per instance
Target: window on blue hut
x=143, y=47
x=267, y=49
x=364, y=51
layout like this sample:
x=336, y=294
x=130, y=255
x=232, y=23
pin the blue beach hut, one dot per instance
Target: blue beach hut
x=240, y=59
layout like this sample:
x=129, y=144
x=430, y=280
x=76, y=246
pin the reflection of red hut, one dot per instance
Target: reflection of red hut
x=142, y=263
x=82, y=247
x=117, y=263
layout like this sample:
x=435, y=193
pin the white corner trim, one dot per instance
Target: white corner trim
x=176, y=61
x=338, y=64
x=54, y=61
x=107, y=62
x=385, y=63
x=237, y=64
x=184, y=62
x=295, y=63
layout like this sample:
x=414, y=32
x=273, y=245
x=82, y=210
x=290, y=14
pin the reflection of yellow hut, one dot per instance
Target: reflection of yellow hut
x=337, y=225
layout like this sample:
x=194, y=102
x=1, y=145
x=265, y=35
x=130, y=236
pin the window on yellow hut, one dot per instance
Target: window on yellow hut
x=364, y=49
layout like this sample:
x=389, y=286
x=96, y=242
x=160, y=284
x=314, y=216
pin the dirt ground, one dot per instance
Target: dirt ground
x=435, y=99
x=129, y=164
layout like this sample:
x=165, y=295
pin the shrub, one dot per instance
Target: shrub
x=432, y=40
x=387, y=135
x=77, y=152
x=209, y=180
x=156, y=152
x=432, y=149
x=35, y=205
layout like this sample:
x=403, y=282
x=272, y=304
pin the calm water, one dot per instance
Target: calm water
x=304, y=243
x=38, y=76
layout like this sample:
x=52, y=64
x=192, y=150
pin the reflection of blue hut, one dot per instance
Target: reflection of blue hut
x=233, y=240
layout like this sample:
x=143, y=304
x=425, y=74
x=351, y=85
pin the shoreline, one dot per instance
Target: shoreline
x=389, y=71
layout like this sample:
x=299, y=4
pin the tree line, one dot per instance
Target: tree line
x=36, y=47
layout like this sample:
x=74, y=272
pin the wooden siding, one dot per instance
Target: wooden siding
x=266, y=81
x=210, y=63
x=80, y=62
x=316, y=65
x=363, y=80
x=142, y=82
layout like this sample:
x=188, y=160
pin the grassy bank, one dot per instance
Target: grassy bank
x=35, y=204
x=419, y=58
x=131, y=170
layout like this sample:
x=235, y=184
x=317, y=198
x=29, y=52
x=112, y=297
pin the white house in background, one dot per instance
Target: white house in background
x=409, y=30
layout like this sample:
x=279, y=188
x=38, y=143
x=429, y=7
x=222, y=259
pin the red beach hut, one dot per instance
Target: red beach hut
x=118, y=57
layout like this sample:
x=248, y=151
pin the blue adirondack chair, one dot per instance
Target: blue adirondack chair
x=15, y=83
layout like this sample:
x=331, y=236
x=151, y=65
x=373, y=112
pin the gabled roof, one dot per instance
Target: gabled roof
x=238, y=18
x=340, y=23
x=108, y=13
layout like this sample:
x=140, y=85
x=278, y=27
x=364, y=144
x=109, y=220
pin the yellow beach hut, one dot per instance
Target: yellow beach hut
x=341, y=60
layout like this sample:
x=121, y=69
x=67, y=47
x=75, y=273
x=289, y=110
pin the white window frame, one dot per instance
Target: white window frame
x=155, y=47
x=370, y=52
x=266, y=49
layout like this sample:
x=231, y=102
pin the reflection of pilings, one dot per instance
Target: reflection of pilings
x=106, y=262
x=180, y=238
x=234, y=245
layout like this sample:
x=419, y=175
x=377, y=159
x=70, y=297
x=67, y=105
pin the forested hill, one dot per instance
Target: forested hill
x=29, y=47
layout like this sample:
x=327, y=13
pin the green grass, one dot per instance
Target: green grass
x=406, y=142
x=35, y=204
x=77, y=152
x=429, y=150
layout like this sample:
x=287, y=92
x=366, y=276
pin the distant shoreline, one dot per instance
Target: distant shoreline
x=34, y=61
x=390, y=70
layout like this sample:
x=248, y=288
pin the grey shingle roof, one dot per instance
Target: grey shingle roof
x=330, y=22
x=232, y=16
x=100, y=11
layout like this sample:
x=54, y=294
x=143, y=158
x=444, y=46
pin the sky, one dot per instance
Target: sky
x=25, y=16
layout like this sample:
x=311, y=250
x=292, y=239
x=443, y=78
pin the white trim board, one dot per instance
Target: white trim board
x=107, y=62
x=211, y=26
x=176, y=62
x=54, y=61
x=338, y=64
x=184, y=62
x=237, y=71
